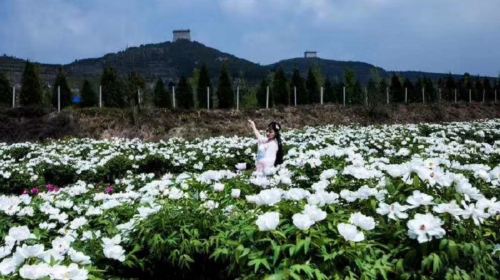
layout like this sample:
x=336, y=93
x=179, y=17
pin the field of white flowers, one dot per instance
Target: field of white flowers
x=349, y=202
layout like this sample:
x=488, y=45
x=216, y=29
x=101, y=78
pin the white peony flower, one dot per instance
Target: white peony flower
x=350, y=232
x=78, y=257
x=20, y=233
x=112, y=251
x=8, y=266
x=296, y=194
x=47, y=226
x=314, y=213
x=362, y=221
x=472, y=211
x=266, y=197
x=348, y=195
x=77, y=223
x=68, y=272
x=451, y=208
x=5, y=251
x=424, y=227
x=36, y=271
x=327, y=174
x=268, y=221
x=320, y=186
x=302, y=221
x=175, y=193
x=235, y=193
x=241, y=166
x=34, y=251
x=61, y=245
x=218, y=187
x=417, y=199
x=203, y=195
x=394, y=211
x=210, y=204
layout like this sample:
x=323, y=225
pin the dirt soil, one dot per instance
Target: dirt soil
x=19, y=125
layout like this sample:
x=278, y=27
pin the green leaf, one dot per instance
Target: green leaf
x=256, y=263
x=276, y=253
x=453, y=250
x=436, y=263
x=307, y=243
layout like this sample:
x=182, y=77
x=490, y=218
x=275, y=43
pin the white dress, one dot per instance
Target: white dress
x=266, y=153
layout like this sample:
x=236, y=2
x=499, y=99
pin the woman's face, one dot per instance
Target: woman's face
x=270, y=133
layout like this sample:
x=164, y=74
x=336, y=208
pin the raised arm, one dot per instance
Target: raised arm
x=255, y=131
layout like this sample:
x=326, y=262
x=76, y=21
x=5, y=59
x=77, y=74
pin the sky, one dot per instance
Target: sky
x=454, y=36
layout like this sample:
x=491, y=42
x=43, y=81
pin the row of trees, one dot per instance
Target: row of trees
x=119, y=92
x=377, y=90
x=276, y=89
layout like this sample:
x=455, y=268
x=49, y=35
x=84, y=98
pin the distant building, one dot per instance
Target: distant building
x=310, y=54
x=182, y=35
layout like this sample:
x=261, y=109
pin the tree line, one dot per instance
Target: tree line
x=277, y=89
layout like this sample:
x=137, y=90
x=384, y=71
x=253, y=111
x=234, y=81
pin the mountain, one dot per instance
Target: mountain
x=166, y=60
x=329, y=68
x=163, y=60
x=14, y=68
x=170, y=60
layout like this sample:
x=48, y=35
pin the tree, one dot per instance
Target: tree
x=488, y=90
x=477, y=91
x=113, y=89
x=261, y=93
x=328, y=94
x=88, y=95
x=46, y=96
x=225, y=92
x=280, y=88
x=161, y=95
x=338, y=90
x=448, y=91
x=184, y=94
x=381, y=97
x=312, y=87
x=430, y=91
x=297, y=84
x=5, y=91
x=465, y=86
x=31, y=89
x=65, y=92
x=375, y=96
x=354, y=93
x=201, y=87
x=396, y=90
x=135, y=84
x=372, y=92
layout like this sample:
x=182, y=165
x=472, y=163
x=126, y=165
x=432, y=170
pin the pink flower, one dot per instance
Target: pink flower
x=35, y=191
x=52, y=188
x=109, y=189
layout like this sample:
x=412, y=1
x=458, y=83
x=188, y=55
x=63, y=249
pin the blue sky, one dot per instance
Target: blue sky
x=428, y=35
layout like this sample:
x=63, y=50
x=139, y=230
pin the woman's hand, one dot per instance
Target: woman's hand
x=255, y=131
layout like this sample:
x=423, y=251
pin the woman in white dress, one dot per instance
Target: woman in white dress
x=270, y=148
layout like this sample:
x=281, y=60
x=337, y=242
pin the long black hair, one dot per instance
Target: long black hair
x=276, y=127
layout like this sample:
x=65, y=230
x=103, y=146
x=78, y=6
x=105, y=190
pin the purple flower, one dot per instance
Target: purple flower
x=34, y=191
x=109, y=189
x=52, y=188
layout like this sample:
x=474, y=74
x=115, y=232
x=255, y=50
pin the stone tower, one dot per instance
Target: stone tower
x=182, y=35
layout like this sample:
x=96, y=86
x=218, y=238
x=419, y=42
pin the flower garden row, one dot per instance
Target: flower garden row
x=400, y=201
